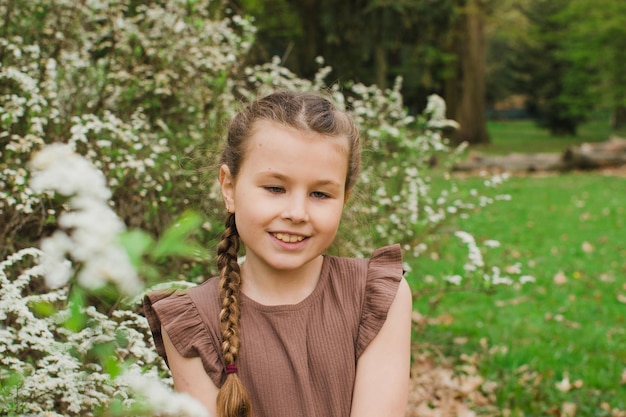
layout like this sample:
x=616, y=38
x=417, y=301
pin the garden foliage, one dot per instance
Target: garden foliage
x=111, y=115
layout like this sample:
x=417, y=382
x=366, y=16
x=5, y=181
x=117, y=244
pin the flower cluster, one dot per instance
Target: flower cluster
x=476, y=271
x=137, y=89
x=46, y=367
x=89, y=232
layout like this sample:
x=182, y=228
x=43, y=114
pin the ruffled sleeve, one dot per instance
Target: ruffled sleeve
x=176, y=312
x=384, y=274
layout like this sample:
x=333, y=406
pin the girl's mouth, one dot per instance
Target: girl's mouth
x=287, y=238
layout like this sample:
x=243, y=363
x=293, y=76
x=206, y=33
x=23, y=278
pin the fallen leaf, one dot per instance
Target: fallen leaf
x=511, y=301
x=441, y=389
x=560, y=278
x=621, y=298
x=573, y=325
x=606, y=278
x=416, y=316
x=568, y=409
x=563, y=385
x=512, y=269
x=443, y=319
x=624, y=377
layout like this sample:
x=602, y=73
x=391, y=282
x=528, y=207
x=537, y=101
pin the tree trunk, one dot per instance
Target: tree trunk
x=312, y=41
x=472, y=109
x=618, y=118
x=380, y=58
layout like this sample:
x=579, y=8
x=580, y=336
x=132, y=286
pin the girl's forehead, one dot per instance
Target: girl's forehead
x=278, y=149
x=271, y=133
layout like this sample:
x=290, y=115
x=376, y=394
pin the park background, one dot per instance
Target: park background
x=518, y=277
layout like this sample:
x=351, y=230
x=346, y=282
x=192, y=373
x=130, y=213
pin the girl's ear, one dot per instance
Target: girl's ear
x=227, y=186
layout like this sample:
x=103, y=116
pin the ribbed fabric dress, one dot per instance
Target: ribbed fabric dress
x=295, y=360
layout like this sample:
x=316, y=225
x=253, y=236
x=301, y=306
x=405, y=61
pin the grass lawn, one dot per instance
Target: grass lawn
x=524, y=136
x=567, y=328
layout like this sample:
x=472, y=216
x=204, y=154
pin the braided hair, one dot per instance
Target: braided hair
x=232, y=399
x=307, y=112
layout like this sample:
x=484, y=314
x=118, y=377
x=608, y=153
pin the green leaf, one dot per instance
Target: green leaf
x=136, y=243
x=44, y=308
x=77, y=319
x=174, y=241
x=108, y=359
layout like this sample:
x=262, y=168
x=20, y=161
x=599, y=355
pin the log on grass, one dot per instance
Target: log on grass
x=512, y=162
x=608, y=154
x=587, y=156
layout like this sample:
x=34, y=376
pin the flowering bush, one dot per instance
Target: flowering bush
x=137, y=88
x=63, y=358
x=110, y=112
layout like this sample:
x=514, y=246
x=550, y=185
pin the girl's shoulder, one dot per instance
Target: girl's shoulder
x=374, y=282
x=185, y=315
x=384, y=263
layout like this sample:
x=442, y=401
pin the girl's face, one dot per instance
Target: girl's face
x=287, y=197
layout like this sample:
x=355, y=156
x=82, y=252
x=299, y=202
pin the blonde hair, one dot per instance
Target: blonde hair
x=307, y=112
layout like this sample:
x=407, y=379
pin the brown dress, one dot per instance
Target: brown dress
x=298, y=359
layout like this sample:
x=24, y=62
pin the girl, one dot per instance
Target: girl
x=292, y=331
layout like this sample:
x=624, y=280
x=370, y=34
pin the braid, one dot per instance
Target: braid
x=232, y=399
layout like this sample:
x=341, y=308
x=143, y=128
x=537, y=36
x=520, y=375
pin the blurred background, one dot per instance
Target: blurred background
x=559, y=62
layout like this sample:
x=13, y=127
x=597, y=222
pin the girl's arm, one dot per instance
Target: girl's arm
x=190, y=377
x=382, y=374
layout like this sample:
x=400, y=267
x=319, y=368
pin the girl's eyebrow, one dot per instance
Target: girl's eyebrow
x=281, y=177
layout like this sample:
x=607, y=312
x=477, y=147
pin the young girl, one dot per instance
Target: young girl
x=292, y=331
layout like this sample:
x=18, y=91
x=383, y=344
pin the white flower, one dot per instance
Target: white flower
x=56, y=167
x=436, y=109
x=491, y=243
x=161, y=398
x=474, y=256
x=90, y=228
x=454, y=279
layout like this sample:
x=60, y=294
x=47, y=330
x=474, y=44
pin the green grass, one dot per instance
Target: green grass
x=573, y=225
x=525, y=137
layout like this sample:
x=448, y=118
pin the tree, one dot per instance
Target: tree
x=598, y=41
x=434, y=49
x=505, y=32
x=557, y=85
x=471, y=105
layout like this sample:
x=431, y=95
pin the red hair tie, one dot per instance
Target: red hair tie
x=231, y=368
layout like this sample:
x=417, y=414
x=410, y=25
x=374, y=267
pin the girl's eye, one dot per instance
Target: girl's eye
x=320, y=195
x=274, y=189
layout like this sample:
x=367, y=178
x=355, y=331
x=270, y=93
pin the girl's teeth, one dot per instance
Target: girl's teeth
x=288, y=238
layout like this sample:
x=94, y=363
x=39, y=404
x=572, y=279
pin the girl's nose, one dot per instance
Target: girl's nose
x=296, y=209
